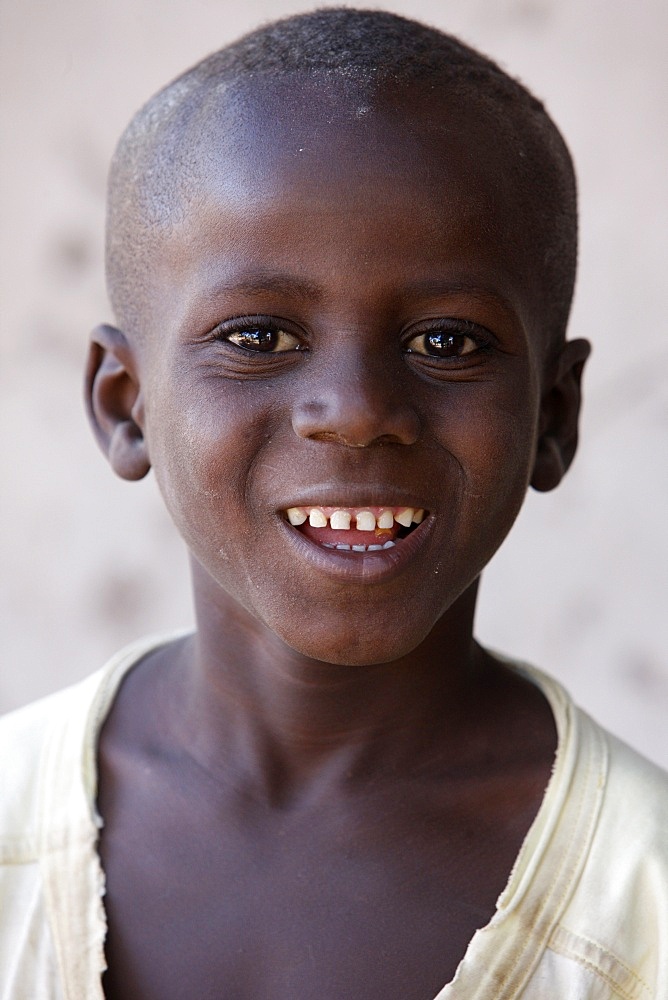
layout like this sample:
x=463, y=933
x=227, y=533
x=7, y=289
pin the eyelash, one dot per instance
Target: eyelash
x=263, y=328
x=451, y=330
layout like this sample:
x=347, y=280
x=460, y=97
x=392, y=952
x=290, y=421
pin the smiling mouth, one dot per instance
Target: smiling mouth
x=355, y=529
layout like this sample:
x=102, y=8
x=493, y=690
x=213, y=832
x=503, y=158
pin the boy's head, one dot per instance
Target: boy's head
x=376, y=59
x=341, y=253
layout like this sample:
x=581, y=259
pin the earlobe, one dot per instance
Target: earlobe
x=559, y=415
x=114, y=402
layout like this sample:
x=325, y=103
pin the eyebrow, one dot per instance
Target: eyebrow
x=277, y=284
x=430, y=288
x=257, y=283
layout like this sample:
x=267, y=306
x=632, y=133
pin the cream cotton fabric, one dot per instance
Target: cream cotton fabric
x=584, y=915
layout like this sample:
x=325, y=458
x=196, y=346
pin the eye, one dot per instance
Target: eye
x=257, y=335
x=451, y=340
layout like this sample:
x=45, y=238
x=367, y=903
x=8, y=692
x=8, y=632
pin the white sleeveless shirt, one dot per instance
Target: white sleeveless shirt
x=584, y=914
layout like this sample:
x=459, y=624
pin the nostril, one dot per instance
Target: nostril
x=331, y=436
x=341, y=439
x=355, y=422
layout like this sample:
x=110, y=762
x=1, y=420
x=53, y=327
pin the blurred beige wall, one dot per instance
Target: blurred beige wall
x=90, y=562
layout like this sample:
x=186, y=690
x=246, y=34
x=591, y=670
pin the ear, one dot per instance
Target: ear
x=559, y=414
x=114, y=402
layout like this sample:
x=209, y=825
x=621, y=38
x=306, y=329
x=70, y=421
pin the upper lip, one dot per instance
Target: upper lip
x=353, y=495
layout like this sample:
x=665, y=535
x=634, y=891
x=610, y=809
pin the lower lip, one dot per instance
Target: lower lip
x=361, y=567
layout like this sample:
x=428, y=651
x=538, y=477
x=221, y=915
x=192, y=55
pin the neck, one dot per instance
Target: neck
x=286, y=718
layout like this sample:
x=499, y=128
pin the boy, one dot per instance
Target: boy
x=341, y=255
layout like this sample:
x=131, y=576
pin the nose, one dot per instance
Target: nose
x=356, y=405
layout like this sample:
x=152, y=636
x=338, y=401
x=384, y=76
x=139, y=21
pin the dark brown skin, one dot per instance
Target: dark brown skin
x=322, y=794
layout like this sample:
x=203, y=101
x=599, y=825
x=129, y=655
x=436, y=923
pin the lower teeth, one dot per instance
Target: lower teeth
x=359, y=548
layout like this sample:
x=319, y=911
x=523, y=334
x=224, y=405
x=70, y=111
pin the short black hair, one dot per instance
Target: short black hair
x=373, y=49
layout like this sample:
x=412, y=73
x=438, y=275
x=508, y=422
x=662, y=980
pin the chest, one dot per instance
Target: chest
x=354, y=898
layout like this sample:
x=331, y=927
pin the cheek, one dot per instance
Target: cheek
x=203, y=452
x=504, y=450
x=493, y=443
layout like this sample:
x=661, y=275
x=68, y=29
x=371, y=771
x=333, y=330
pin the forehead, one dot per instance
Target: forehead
x=324, y=129
x=399, y=178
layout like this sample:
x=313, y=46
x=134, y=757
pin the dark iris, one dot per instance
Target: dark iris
x=445, y=345
x=255, y=339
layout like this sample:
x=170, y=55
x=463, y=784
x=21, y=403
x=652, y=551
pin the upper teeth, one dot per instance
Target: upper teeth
x=365, y=521
x=386, y=519
x=340, y=518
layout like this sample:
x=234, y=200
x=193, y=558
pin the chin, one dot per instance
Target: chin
x=354, y=648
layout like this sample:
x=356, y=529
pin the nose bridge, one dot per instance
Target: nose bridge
x=355, y=397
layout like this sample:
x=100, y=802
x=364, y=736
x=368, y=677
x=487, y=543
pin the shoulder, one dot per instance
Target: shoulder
x=641, y=785
x=26, y=737
x=47, y=755
x=623, y=775
x=632, y=828
x=628, y=839
x=608, y=831
x=629, y=851
x=615, y=925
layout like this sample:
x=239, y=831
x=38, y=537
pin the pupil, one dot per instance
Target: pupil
x=443, y=343
x=257, y=339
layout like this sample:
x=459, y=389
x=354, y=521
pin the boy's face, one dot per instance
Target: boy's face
x=378, y=252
